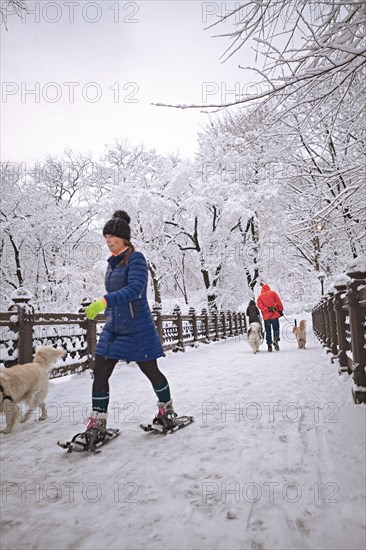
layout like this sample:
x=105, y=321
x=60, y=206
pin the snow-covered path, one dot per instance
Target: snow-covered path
x=275, y=459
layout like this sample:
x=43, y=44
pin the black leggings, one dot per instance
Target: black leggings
x=104, y=367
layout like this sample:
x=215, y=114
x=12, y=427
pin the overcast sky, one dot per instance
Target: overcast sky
x=80, y=74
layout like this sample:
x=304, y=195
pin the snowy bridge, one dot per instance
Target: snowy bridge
x=339, y=321
x=274, y=460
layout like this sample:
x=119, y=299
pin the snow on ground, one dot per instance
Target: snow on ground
x=274, y=460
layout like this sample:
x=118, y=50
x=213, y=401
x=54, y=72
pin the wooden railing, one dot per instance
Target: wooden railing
x=22, y=331
x=339, y=321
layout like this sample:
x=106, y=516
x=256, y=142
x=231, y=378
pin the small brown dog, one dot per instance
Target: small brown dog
x=26, y=383
x=300, y=333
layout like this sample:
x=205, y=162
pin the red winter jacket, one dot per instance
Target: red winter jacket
x=267, y=300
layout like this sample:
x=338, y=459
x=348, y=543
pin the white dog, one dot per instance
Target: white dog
x=255, y=336
x=300, y=333
x=26, y=383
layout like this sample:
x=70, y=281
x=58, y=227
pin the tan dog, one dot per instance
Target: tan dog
x=26, y=383
x=300, y=333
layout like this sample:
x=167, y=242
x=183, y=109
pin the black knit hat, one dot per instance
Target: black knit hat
x=118, y=226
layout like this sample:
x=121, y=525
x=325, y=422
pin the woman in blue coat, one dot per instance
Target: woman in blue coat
x=129, y=333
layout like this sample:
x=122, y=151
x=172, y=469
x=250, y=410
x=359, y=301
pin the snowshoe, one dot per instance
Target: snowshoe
x=95, y=435
x=90, y=440
x=179, y=423
x=166, y=420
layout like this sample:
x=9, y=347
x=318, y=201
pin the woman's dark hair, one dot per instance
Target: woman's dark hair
x=131, y=249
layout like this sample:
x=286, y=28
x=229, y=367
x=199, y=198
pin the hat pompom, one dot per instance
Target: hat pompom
x=122, y=215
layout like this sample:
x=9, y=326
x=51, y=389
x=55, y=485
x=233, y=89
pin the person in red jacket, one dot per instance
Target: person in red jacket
x=272, y=309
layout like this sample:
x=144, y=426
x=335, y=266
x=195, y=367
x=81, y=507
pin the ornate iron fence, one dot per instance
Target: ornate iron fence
x=22, y=331
x=339, y=321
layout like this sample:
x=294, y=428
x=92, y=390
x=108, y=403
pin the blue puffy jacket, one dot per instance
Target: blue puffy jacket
x=129, y=332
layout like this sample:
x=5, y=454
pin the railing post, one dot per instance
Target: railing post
x=332, y=326
x=230, y=323
x=216, y=321
x=356, y=321
x=177, y=312
x=207, y=326
x=91, y=341
x=192, y=314
x=327, y=306
x=235, y=319
x=244, y=322
x=240, y=319
x=21, y=298
x=340, y=318
x=315, y=317
x=223, y=321
x=323, y=332
x=91, y=333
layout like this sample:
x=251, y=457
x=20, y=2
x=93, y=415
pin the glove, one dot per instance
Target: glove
x=281, y=313
x=96, y=307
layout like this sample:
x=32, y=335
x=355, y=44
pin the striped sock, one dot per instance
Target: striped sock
x=162, y=391
x=100, y=402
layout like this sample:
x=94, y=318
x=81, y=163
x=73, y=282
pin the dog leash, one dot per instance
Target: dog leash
x=284, y=316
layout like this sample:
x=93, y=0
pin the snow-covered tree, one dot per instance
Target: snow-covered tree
x=325, y=183
x=304, y=50
x=150, y=188
x=73, y=178
x=45, y=243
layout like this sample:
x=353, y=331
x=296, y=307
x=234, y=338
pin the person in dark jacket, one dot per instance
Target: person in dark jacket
x=272, y=309
x=254, y=316
x=253, y=313
x=129, y=333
